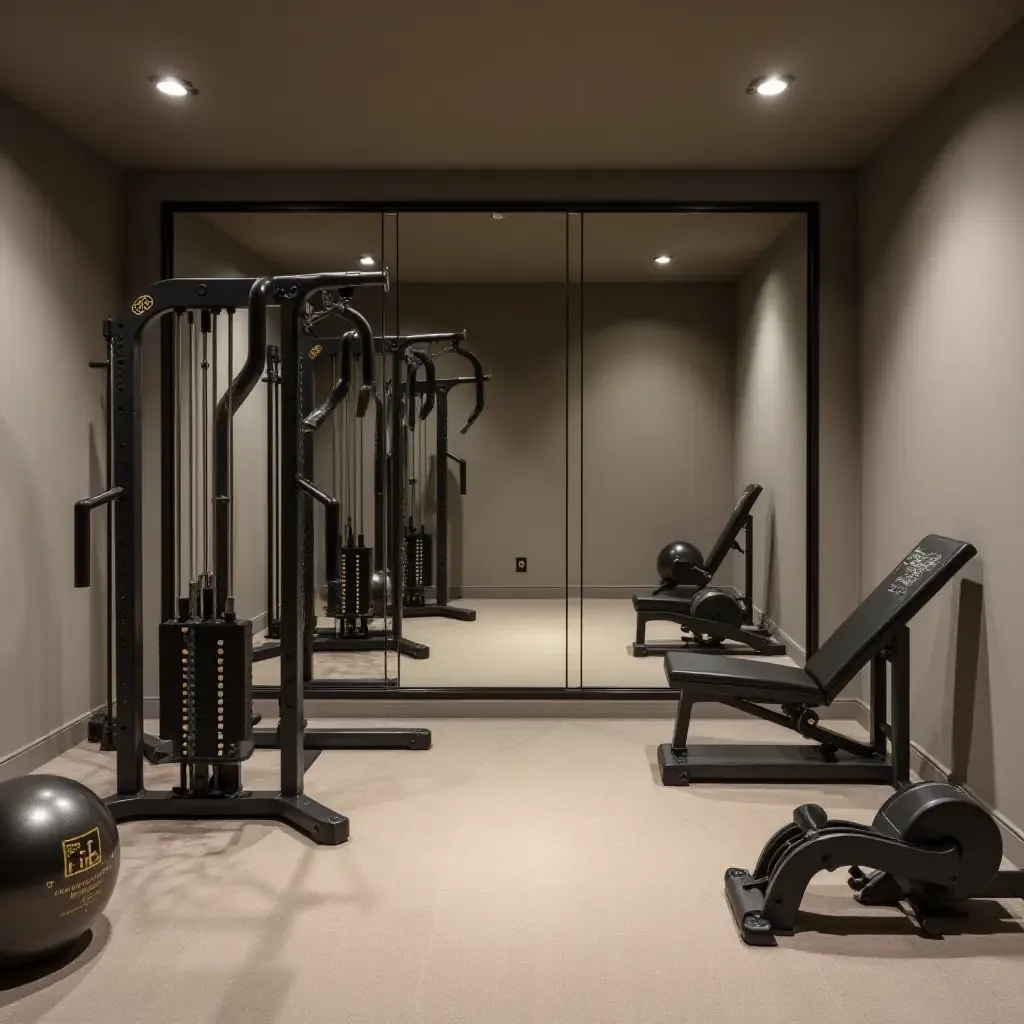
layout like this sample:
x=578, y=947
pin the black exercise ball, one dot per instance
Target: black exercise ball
x=59, y=859
x=669, y=557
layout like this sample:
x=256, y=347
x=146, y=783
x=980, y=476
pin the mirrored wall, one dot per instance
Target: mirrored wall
x=692, y=391
x=588, y=442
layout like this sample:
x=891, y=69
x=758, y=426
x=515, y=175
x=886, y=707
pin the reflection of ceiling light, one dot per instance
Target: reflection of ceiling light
x=176, y=87
x=770, y=85
x=497, y=216
x=663, y=261
x=366, y=261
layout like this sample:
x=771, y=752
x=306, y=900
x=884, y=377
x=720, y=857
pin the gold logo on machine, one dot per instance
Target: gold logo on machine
x=143, y=304
x=315, y=351
x=82, y=853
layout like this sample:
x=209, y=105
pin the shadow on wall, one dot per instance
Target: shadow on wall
x=971, y=743
x=29, y=653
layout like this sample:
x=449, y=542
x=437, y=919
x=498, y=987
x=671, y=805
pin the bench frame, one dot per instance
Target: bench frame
x=831, y=758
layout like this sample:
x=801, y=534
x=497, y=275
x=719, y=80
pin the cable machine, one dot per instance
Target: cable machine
x=206, y=712
x=411, y=542
x=426, y=552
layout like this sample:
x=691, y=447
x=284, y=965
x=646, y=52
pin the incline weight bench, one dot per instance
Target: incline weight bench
x=876, y=634
x=678, y=604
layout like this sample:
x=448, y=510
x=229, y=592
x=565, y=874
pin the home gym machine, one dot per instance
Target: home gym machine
x=205, y=660
x=426, y=554
x=408, y=400
x=930, y=847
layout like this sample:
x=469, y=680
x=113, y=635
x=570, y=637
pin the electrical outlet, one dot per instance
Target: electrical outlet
x=520, y=565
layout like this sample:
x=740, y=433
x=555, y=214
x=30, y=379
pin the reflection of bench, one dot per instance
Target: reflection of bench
x=676, y=603
x=876, y=634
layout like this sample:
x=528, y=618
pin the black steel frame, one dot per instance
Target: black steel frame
x=131, y=801
x=810, y=209
x=829, y=756
x=221, y=796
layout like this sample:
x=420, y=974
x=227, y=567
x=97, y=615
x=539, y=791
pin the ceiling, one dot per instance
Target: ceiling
x=475, y=247
x=469, y=84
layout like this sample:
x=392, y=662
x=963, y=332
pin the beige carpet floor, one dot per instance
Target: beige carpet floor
x=519, y=642
x=526, y=871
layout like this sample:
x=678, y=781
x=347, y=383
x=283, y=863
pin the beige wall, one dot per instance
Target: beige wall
x=656, y=427
x=834, y=191
x=943, y=360
x=59, y=279
x=658, y=363
x=771, y=424
x=515, y=451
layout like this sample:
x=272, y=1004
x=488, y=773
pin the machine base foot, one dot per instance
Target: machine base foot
x=310, y=818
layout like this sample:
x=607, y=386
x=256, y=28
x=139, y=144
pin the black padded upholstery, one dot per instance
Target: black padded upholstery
x=731, y=530
x=738, y=677
x=676, y=600
x=891, y=605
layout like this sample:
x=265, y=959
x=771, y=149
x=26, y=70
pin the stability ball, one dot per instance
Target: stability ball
x=59, y=859
x=673, y=559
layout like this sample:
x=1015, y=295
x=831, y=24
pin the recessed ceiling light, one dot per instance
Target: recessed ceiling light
x=662, y=260
x=366, y=261
x=497, y=216
x=171, y=86
x=770, y=85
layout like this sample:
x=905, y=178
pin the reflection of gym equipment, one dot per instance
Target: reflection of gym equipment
x=875, y=634
x=205, y=649
x=350, y=604
x=930, y=847
x=422, y=555
x=709, y=615
x=352, y=631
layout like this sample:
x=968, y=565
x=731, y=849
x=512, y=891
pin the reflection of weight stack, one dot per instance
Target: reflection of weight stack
x=354, y=605
x=206, y=689
x=419, y=566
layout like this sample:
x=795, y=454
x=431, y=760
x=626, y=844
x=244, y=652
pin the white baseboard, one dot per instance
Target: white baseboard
x=795, y=650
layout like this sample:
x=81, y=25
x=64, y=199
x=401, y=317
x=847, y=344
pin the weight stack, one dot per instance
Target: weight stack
x=419, y=567
x=206, y=689
x=356, y=575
